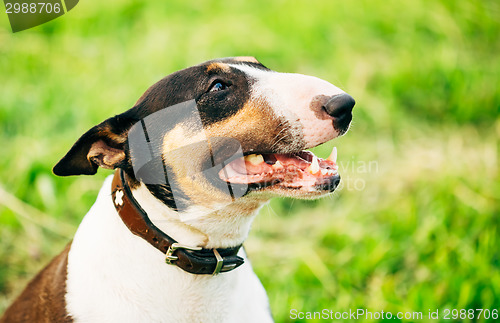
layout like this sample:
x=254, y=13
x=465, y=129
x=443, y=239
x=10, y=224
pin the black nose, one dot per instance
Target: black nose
x=340, y=107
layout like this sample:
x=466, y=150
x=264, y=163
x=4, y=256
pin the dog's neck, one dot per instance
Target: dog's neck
x=114, y=276
x=202, y=227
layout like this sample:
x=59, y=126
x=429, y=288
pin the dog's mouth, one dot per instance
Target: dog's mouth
x=302, y=170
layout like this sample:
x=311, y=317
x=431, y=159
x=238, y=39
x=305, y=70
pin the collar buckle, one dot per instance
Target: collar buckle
x=220, y=263
x=170, y=257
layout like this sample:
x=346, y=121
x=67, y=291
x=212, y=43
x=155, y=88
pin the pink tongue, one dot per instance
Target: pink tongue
x=287, y=159
x=240, y=167
x=244, y=172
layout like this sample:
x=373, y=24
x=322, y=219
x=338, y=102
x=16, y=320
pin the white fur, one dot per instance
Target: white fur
x=290, y=96
x=115, y=276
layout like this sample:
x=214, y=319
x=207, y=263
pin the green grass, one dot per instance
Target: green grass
x=418, y=230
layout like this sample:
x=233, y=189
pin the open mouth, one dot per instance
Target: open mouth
x=301, y=170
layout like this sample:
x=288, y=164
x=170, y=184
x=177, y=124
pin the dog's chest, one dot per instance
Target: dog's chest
x=114, y=276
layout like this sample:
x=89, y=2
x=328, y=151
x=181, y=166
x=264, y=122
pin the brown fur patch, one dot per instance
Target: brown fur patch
x=218, y=66
x=249, y=59
x=317, y=104
x=255, y=126
x=42, y=301
x=105, y=156
x=106, y=131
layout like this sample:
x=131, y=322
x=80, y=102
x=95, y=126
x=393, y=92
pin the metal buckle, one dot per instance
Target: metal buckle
x=220, y=262
x=170, y=252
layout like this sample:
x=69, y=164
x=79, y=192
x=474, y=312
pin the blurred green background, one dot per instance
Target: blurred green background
x=416, y=223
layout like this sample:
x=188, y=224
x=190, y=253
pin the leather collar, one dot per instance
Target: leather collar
x=194, y=260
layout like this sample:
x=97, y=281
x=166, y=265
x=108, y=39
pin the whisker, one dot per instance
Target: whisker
x=279, y=137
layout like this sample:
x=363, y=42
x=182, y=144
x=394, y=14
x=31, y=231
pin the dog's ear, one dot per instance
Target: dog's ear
x=103, y=145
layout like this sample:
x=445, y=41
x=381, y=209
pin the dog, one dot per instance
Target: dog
x=197, y=156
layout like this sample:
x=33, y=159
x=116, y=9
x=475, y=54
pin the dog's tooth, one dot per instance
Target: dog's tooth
x=333, y=155
x=324, y=172
x=314, y=167
x=278, y=165
x=254, y=159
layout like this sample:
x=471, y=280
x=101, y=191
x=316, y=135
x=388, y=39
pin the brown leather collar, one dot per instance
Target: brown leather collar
x=194, y=260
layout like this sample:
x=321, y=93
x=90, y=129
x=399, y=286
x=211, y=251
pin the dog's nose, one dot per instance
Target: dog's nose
x=340, y=107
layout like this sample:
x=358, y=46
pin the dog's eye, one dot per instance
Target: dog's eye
x=218, y=86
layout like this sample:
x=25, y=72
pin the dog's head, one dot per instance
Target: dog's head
x=218, y=131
